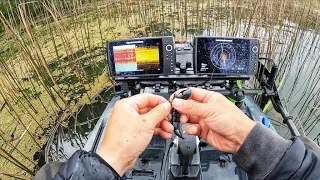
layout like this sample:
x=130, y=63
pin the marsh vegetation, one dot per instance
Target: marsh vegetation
x=52, y=58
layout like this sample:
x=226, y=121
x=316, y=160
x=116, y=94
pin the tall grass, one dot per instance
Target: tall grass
x=52, y=56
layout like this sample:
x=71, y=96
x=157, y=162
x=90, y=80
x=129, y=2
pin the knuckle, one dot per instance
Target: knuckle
x=216, y=97
x=160, y=111
x=189, y=105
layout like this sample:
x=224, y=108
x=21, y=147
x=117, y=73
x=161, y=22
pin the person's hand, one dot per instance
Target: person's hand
x=215, y=119
x=130, y=128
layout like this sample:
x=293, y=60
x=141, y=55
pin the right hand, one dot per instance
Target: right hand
x=218, y=121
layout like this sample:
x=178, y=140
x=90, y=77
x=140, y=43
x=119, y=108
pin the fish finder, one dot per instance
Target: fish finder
x=162, y=57
x=224, y=55
x=141, y=57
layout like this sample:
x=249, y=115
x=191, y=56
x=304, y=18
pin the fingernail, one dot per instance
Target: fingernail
x=192, y=130
x=177, y=103
x=167, y=106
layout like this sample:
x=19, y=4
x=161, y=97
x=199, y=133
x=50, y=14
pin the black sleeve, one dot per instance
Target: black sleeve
x=86, y=165
x=297, y=163
x=266, y=155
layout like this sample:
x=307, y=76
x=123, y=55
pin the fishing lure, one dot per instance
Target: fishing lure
x=185, y=94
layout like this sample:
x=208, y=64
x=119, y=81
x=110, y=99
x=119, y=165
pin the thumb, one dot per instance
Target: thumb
x=157, y=114
x=192, y=108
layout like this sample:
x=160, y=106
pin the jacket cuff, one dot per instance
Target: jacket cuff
x=260, y=152
x=102, y=161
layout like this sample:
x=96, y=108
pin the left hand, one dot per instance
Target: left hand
x=130, y=128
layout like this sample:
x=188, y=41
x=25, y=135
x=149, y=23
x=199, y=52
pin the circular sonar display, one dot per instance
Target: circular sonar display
x=223, y=56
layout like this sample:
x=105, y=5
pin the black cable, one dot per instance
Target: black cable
x=164, y=164
x=265, y=58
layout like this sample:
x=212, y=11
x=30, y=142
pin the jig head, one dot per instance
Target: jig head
x=184, y=94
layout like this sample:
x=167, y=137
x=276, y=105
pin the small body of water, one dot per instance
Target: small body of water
x=300, y=88
x=65, y=140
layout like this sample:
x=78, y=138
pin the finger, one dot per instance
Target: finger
x=200, y=95
x=190, y=119
x=147, y=109
x=194, y=119
x=166, y=119
x=144, y=110
x=192, y=108
x=144, y=100
x=156, y=131
x=183, y=118
x=169, y=117
x=166, y=126
x=157, y=114
x=204, y=130
x=163, y=134
x=194, y=129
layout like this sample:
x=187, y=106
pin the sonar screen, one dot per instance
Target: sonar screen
x=136, y=57
x=225, y=55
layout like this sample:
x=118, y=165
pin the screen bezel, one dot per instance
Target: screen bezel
x=195, y=57
x=112, y=65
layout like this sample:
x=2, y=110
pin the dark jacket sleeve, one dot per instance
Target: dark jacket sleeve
x=266, y=155
x=86, y=165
